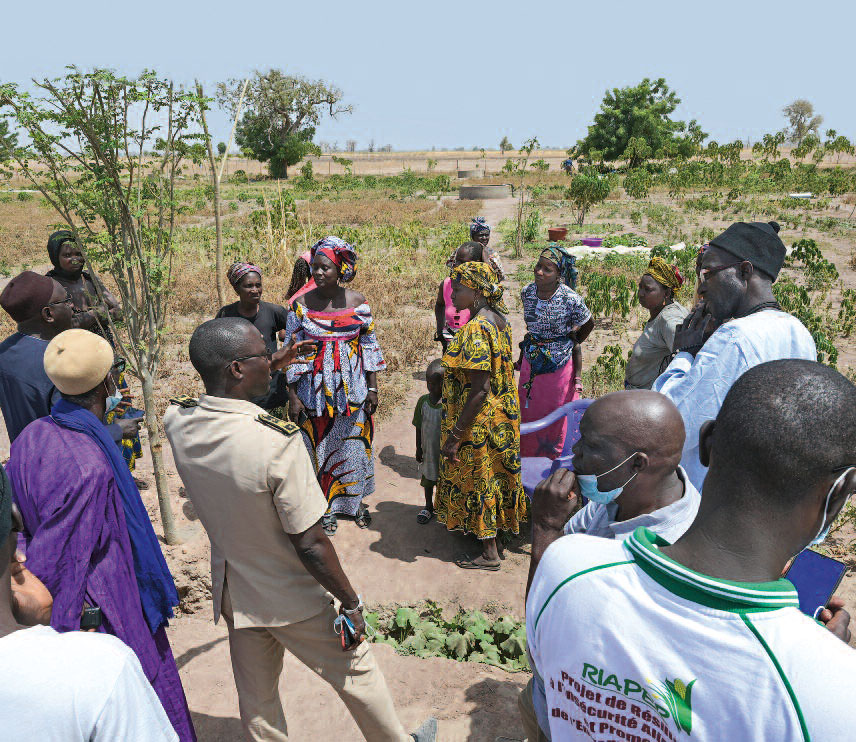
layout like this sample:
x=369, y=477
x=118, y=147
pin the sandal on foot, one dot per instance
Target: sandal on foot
x=464, y=562
x=329, y=523
x=363, y=518
x=424, y=516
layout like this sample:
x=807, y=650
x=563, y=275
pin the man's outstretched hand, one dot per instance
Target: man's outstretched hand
x=291, y=353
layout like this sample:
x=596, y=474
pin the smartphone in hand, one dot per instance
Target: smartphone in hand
x=816, y=578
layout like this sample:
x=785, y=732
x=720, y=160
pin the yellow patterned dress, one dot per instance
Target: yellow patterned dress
x=481, y=493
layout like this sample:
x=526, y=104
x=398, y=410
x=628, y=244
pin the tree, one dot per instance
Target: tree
x=637, y=183
x=215, y=181
x=801, y=120
x=637, y=153
x=282, y=112
x=89, y=135
x=505, y=146
x=587, y=189
x=642, y=112
x=8, y=141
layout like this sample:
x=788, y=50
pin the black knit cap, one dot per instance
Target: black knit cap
x=756, y=242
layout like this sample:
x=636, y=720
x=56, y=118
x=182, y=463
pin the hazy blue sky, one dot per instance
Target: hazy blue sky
x=466, y=73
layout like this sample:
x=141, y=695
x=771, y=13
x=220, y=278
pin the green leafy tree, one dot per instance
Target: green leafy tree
x=505, y=146
x=637, y=183
x=802, y=120
x=281, y=114
x=642, y=111
x=8, y=141
x=221, y=148
x=587, y=189
x=89, y=135
x=637, y=152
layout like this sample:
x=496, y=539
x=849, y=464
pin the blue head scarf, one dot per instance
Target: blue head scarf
x=479, y=226
x=566, y=263
x=157, y=590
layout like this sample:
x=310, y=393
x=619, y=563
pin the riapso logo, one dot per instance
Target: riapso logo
x=670, y=699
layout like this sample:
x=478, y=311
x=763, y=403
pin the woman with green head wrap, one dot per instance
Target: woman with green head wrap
x=479, y=489
x=652, y=350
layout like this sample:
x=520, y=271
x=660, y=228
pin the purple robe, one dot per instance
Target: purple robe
x=77, y=543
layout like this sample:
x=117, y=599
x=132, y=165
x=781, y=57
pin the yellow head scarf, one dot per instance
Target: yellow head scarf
x=664, y=273
x=482, y=278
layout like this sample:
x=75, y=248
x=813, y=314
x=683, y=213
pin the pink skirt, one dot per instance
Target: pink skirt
x=548, y=393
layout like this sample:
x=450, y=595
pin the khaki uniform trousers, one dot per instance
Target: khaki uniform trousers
x=527, y=715
x=257, y=665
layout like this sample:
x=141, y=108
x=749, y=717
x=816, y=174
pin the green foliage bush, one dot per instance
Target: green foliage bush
x=470, y=636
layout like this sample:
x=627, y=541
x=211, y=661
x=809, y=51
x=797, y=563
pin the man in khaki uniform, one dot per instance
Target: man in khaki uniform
x=273, y=570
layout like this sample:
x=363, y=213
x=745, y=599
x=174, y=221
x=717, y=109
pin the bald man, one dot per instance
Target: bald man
x=627, y=463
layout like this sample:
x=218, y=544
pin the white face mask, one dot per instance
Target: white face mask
x=113, y=399
x=824, y=526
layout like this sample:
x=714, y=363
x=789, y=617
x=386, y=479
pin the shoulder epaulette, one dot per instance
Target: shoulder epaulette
x=282, y=426
x=183, y=400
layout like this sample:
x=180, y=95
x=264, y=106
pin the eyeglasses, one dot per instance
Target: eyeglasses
x=67, y=300
x=705, y=272
x=267, y=355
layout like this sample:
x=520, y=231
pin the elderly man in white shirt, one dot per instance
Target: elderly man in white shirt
x=626, y=463
x=735, y=285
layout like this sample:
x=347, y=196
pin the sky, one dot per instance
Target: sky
x=464, y=74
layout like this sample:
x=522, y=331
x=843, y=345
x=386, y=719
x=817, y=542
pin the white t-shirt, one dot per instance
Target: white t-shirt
x=76, y=686
x=633, y=646
x=669, y=522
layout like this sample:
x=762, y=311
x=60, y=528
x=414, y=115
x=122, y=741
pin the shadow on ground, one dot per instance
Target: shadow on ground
x=404, y=466
x=193, y=653
x=431, y=540
x=490, y=697
x=210, y=728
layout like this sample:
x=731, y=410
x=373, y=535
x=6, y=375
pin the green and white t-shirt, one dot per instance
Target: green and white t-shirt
x=633, y=646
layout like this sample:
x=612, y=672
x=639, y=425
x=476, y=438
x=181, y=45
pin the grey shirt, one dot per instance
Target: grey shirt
x=653, y=347
x=670, y=522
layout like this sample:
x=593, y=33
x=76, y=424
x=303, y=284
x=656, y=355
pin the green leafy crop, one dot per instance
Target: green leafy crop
x=470, y=636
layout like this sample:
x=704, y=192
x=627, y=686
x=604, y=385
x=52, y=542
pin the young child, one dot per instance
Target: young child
x=426, y=420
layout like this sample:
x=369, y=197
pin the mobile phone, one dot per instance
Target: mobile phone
x=347, y=632
x=816, y=578
x=91, y=618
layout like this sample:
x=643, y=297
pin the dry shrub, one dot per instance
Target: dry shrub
x=387, y=211
x=24, y=230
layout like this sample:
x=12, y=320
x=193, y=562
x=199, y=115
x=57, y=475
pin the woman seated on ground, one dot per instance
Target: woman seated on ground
x=449, y=319
x=268, y=319
x=334, y=395
x=557, y=321
x=479, y=489
x=653, y=349
x=480, y=232
x=92, y=305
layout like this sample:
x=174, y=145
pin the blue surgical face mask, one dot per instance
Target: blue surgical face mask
x=824, y=526
x=589, y=488
x=113, y=400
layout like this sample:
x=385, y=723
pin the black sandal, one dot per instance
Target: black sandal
x=363, y=518
x=329, y=523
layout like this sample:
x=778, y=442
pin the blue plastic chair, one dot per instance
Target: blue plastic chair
x=534, y=469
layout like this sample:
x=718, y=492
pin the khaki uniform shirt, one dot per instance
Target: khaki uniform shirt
x=251, y=486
